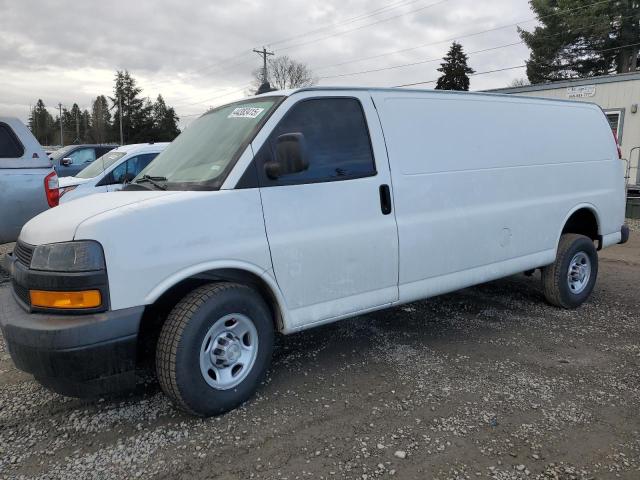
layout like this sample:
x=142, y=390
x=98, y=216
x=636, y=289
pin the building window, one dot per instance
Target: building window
x=616, y=119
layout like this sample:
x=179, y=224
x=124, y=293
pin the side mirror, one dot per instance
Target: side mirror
x=291, y=156
x=66, y=161
x=272, y=169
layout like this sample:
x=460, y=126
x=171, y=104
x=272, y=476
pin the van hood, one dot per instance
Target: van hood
x=60, y=223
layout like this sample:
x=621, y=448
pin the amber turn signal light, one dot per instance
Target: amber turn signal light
x=66, y=300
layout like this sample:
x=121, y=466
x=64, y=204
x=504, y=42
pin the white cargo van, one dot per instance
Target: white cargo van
x=297, y=208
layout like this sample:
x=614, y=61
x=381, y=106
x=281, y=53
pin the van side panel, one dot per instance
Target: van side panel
x=483, y=184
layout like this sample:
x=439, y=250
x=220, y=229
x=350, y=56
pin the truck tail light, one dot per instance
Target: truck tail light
x=51, y=189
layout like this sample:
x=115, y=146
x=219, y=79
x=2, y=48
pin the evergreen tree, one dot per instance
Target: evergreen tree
x=85, y=126
x=76, y=118
x=100, y=131
x=135, y=111
x=593, y=39
x=165, y=121
x=41, y=124
x=143, y=122
x=454, y=69
x=68, y=127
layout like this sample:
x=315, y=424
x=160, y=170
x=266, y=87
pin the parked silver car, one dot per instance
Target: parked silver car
x=28, y=183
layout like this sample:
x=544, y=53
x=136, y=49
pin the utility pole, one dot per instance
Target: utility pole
x=263, y=53
x=120, y=108
x=77, y=128
x=61, y=137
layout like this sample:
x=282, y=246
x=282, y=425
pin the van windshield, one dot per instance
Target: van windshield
x=202, y=155
x=100, y=165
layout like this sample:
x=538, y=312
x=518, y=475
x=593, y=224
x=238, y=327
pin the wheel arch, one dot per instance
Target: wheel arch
x=582, y=219
x=168, y=293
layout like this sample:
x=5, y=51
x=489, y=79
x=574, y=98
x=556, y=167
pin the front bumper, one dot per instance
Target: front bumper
x=75, y=355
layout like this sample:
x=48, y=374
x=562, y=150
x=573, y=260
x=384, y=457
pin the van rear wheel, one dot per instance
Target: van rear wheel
x=215, y=348
x=569, y=281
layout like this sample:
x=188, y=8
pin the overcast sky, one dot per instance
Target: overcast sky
x=198, y=53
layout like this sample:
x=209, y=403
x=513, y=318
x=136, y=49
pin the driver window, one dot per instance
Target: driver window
x=132, y=167
x=337, y=138
x=83, y=155
x=120, y=172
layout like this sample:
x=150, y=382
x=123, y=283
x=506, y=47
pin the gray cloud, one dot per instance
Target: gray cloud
x=67, y=51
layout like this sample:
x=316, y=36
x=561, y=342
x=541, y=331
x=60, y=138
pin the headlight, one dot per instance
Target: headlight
x=82, y=256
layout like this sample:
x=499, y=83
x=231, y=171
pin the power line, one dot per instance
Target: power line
x=471, y=75
x=458, y=37
x=218, y=63
x=375, y=12
x=517, y=66
x=421, y=62
x=365, y=26
x=371, y=13
x=412, y=48
x=434, y=81
x=486, y=72
x=214, y=98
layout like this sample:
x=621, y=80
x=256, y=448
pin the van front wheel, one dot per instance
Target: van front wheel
x=215, y=348
x=569, y=281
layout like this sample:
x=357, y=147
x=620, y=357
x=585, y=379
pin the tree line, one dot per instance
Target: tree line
x=142, y=120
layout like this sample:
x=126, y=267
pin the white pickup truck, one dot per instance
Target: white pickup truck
x=294, y=209
x=28, y=183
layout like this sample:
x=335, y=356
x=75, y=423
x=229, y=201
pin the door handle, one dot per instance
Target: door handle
x=385, y=199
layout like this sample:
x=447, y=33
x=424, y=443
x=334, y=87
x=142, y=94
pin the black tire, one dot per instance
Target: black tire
x=181, y=339
x=555, y=282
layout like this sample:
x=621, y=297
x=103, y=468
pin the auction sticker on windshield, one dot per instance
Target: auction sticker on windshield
x=246, y=112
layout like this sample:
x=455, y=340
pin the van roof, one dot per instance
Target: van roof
x=290, y=92
x=135, y=147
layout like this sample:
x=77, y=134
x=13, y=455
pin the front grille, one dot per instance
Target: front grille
x=23, y=253
x=22, y=293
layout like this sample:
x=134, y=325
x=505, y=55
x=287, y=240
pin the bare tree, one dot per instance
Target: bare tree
x=285, y=73
x=519, y=82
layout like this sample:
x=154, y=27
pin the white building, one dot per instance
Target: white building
x=618, y=95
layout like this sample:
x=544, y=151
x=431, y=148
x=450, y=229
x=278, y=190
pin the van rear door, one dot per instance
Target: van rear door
x=331, y=227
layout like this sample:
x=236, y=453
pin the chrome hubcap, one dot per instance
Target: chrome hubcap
x=579, y=272
x=228, y=351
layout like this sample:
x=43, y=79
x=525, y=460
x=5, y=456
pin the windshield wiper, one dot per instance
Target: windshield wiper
x=153, y=181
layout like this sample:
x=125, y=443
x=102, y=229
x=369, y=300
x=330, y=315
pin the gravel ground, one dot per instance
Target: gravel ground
x=488, y=382
x=4, y=248
x=634, y=224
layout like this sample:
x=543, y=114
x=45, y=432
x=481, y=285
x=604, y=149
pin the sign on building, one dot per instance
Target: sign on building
x=583, y=91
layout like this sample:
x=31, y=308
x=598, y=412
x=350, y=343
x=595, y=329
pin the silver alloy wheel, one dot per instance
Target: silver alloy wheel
x=228, y=351
x=579, y=272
